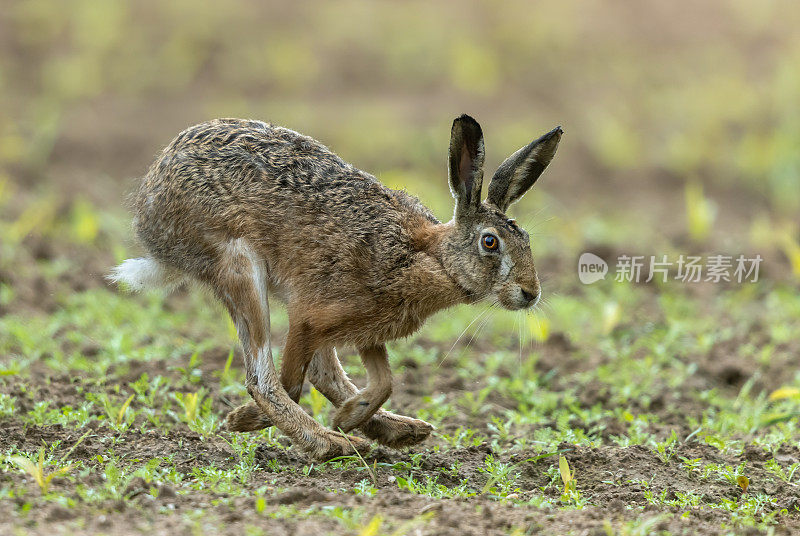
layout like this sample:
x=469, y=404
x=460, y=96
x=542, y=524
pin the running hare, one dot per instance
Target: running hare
x=251, y=210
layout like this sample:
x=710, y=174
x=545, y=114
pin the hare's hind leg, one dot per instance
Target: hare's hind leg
x=297, y=354
x=240, y=282
x=396, y=431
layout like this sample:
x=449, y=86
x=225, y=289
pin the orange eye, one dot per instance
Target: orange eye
x=490, y=242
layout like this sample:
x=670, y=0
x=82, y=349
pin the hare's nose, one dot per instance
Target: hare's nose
x=529, y=296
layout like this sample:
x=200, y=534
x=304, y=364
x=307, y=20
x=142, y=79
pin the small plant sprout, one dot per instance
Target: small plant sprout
x=227, y=376
x=365, y=487
x=787, y=475
x=121, y=413
x=190, y=402
x=692, y=464
x=118, y=417
x=570, y=495
x=791, y=248
x=612, y=314
x=700, y=212
x=501, y=477
x=743, y=483
x=316, y=401
x=665, y=450
x=36, y=469
x=192, y=372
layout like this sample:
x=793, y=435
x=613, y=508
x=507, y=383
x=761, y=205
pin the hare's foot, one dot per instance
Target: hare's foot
x=396, y=431
x=247, y=418
x=306, y=434
x=357, y=411
x=334, y=444
x=388, y=429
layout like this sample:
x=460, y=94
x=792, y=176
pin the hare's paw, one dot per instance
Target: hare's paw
x=396, y=431
x=351, y=414
x=247, y=418
x=335, y=444
x=357, y=411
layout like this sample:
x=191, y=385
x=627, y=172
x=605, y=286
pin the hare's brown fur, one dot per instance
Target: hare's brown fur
x=253, y=209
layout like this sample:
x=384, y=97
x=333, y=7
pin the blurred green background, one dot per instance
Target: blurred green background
x=682, y=126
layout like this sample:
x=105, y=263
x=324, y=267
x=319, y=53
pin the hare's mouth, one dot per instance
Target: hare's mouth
x=516, y=297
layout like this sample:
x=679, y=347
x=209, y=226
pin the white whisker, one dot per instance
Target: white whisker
x=462, y=334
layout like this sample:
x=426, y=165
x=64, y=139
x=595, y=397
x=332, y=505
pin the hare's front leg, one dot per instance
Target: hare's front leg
x=385, y=427
x=239, y=281
x=358, y=409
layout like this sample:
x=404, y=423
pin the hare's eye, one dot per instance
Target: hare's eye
x=490, y=242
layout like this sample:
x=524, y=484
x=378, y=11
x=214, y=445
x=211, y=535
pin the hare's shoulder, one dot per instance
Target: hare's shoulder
x=411, y=204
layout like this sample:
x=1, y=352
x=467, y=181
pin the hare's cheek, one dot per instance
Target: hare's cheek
x=505, y=267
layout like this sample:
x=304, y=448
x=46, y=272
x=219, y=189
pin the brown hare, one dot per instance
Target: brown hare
x=254, y=210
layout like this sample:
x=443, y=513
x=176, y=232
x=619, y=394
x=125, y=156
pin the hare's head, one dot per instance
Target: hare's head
x=486, y=251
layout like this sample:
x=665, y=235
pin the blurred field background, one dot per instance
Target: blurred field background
x=654, y=98
x=682, y=136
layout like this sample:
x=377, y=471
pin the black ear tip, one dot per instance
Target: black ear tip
x=468, y=119
x=554, y=135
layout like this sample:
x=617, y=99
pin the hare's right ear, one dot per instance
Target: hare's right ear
x=517, y=174
x=465, y=168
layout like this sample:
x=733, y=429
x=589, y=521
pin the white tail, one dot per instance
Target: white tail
x=145, y=273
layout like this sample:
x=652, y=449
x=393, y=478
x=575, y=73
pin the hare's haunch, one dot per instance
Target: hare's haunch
x=252, y=210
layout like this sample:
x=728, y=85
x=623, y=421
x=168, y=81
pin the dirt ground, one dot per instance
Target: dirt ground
x=611, y=478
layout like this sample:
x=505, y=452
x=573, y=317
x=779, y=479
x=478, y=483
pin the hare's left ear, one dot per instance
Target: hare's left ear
x=520, y=170
x=465, y=169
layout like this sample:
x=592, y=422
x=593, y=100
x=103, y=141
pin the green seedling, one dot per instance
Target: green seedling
x=117, y=415
x=191, y=372
x=317, y=402
x=570, y=495
x=120, y=418
x=773, y=467
x=36, y=469
x=791, y=248
x=665, y=450
x=700, y=212
x=191, y=403
x=228, y=376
